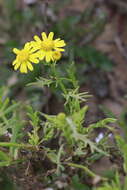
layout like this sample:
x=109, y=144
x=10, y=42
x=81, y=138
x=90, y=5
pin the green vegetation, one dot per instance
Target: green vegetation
x=47, y=130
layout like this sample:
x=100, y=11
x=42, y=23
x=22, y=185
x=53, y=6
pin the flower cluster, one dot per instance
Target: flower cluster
x=39, y=49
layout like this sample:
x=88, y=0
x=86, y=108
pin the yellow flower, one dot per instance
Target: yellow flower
x=46, y=46
x=24, y=58
x=56, y=55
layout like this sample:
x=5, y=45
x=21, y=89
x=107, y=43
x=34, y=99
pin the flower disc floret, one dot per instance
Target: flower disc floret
x=23, y=55
x=24, y=58
x=46, y=46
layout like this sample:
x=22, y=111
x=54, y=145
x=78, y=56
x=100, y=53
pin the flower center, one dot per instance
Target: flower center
x=47, y=45
x=23, y=55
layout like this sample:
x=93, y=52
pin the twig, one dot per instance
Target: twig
x=120, y=46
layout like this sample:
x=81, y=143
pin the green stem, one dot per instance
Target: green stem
x=25, y=146
x=58, y=159
x=89, y=172
x=54, y=71
x=62, y=87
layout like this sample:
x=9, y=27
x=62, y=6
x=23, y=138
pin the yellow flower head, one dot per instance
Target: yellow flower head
x=56, y=55
x=46, y=46
x=24, y=58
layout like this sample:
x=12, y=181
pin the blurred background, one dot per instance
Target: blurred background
x=96, y=35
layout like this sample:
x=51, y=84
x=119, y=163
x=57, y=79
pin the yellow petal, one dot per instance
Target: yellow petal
x=33, y=59
x=44, y=36
x=16, y=51
x=58, y=39
x=29, y=65
x=23, y=68
x=14, y=62
x=34, y=46
x=36, y=38
x=27, y=46
x=59, y=49
x=60, y=43
x=32, y=50
x=17, y=66
x=41, y=55
x=50, y=36
x=48, y=56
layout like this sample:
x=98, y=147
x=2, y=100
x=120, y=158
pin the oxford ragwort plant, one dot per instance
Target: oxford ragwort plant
x=67, y=127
